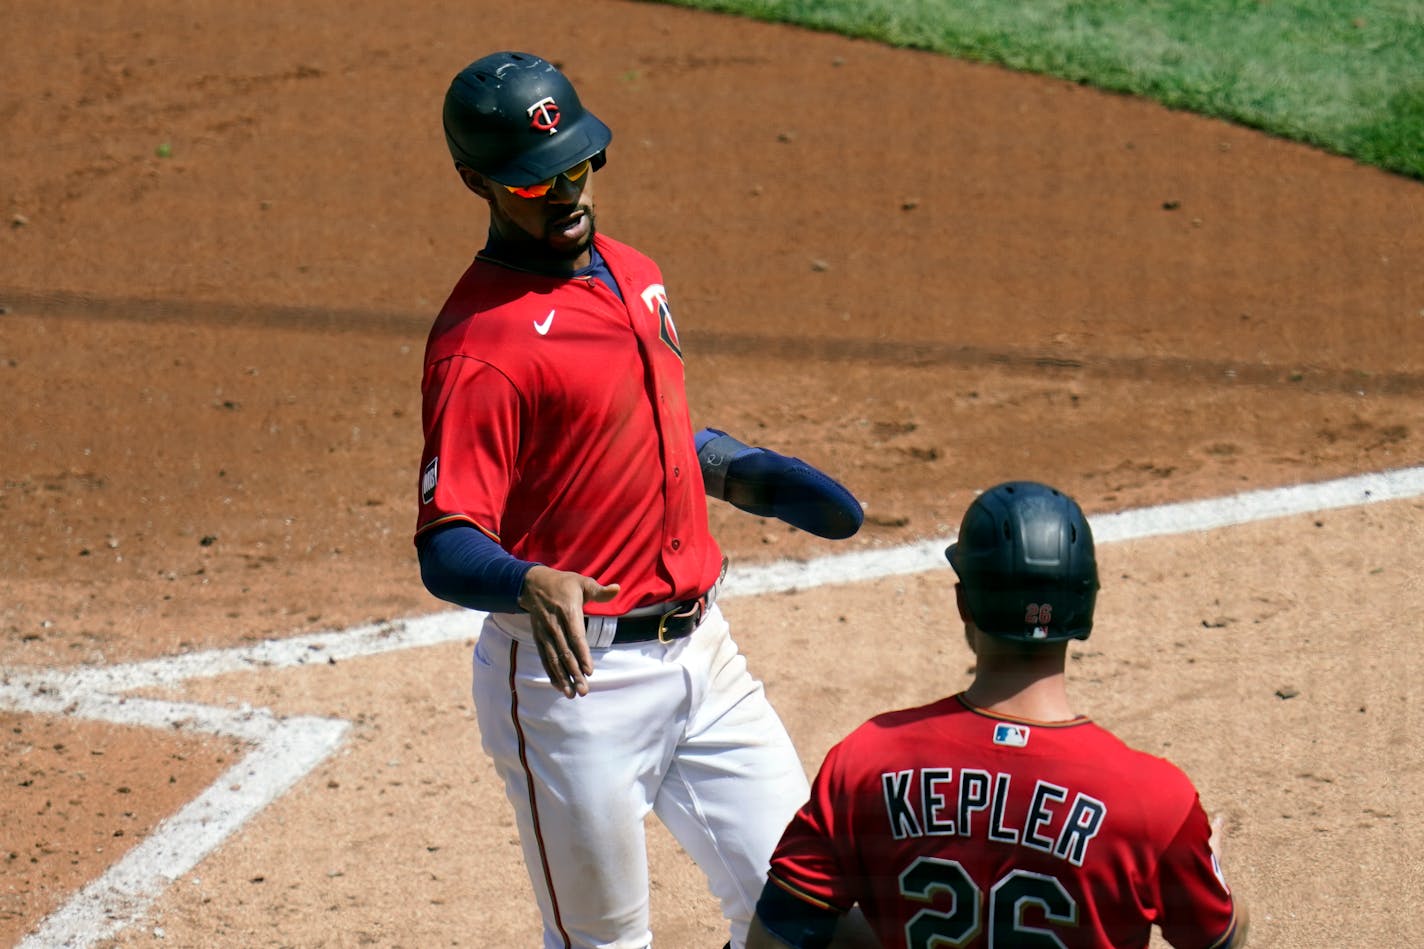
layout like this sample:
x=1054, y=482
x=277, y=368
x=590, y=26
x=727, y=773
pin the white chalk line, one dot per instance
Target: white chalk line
x=286, y=749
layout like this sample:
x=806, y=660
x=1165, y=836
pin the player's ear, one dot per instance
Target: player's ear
x=473, y=180
x=962, y=602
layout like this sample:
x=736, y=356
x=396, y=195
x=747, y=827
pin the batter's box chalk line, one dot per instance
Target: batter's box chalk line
x=283, y=750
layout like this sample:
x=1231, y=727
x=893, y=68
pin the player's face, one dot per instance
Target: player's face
x=559, y=222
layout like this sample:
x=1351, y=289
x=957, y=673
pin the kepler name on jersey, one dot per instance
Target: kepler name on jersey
x=939, y=801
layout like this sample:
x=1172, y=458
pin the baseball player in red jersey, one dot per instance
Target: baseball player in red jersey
x=562, y=491
x=998, y=817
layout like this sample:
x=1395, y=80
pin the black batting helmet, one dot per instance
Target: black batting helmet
x=1025, y=559
x=516, y=118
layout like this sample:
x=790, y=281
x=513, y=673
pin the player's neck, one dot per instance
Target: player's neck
x=1037, y=694
x=522, y=252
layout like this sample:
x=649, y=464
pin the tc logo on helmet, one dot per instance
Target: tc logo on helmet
x=544, y=115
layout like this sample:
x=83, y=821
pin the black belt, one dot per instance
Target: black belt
x=676, y=622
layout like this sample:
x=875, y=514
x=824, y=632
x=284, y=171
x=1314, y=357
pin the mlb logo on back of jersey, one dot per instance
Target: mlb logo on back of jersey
x=1015, y=736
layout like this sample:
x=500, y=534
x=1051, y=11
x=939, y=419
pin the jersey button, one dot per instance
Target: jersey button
x=676, y=544
x=677, y=472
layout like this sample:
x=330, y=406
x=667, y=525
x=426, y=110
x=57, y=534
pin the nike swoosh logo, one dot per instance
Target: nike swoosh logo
x=542, y=328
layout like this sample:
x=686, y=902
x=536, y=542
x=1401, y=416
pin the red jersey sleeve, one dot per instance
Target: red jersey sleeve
x=808, y=862
x=476, y=488
x=1194, y=900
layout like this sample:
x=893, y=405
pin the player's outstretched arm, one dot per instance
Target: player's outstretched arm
x=554, y=600
x=763, y=482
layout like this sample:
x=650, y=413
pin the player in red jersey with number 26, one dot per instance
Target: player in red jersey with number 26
x=998, y=818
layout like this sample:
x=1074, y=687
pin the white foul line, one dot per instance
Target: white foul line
x=1181, y=518
x=287, y=749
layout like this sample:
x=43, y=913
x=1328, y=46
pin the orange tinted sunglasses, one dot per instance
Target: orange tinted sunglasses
x=541, y=188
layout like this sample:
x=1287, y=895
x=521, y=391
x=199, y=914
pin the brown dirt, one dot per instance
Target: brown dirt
x=926, y=276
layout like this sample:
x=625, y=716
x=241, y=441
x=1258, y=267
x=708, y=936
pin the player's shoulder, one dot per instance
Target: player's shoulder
x=611, y=247
x=1144, y=761
x=488, y=302
x=489, y=286
x=627, y=261
x=859, y=752
x=904, y=721
x=1173, y=792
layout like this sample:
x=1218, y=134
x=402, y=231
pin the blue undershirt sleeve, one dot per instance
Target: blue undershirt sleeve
x=768, y=484
x=795, y=922
x=460, y=564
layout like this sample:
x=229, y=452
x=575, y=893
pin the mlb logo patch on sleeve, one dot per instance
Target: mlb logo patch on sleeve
x=428, y=479
x=1015, y=736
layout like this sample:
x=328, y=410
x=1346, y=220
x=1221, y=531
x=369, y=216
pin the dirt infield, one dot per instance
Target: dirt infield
x=225, y=233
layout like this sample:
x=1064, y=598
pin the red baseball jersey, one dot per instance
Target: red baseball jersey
x=556, y=421
x=952, y=826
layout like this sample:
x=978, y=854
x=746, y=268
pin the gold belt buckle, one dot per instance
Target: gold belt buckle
x=662, y=620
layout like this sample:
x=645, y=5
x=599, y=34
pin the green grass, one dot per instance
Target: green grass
x=1346, y=76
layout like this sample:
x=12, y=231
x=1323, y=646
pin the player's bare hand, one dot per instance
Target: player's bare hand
x=554, y=600
x=1243, y=917
x=1218, y=833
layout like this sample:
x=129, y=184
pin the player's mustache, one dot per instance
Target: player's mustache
x=555, y=221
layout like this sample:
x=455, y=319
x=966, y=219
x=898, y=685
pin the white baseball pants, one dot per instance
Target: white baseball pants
x=680, y=729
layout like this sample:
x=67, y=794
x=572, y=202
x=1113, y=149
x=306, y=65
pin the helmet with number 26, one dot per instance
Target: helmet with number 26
x=1026, y=563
